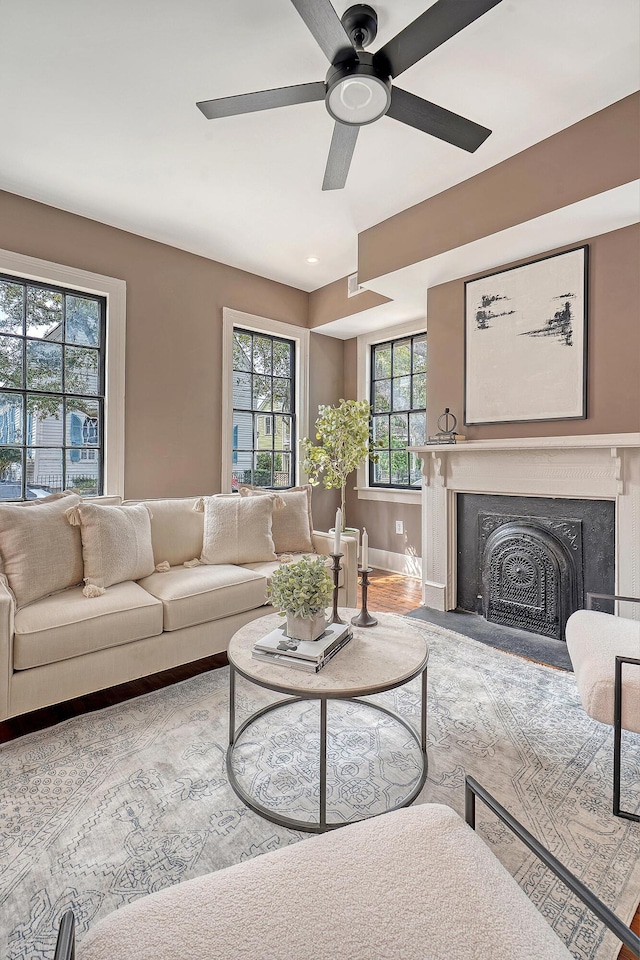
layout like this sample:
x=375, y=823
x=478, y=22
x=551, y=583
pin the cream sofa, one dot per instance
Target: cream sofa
x=66, y=645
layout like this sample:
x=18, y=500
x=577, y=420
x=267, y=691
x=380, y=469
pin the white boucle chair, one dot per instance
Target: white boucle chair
x=599, y=644
x=416, y=884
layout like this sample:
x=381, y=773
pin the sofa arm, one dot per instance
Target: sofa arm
x=323, y=544
x=7, y=610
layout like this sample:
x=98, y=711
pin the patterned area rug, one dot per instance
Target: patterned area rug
x=110, y=806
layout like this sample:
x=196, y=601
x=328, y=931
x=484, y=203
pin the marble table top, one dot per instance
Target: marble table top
x=375, y=659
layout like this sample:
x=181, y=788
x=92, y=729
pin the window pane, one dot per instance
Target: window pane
x=382, y=396
x=399, y=430
x=382, y=362
x=262, y=355
x=417, y=429
x=402, y=393
x=83, y=320
x=44, y=365
x=241, y=351
x=399, y=467
x=262, y=399
x=263, y=432
x=282, y=433
x=243, y=432
x=263, y=469
x=415, y=476
x=44, y=313
x=242, y=391
x=419, y=354
x=11, y=361
x=11, y=406
x=10, y=473
x=44, y=420
x=381, y=431
x=83, y=423
x=83, y=472
x=281, y=394
x=419, y=390
x=401, y=358
x=282, y=358
x=11, y=306
x=381, y=469
x=44, y=472
x=282, y=463
x=81, y=370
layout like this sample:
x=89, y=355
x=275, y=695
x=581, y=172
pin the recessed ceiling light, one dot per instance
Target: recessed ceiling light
x=313, y=259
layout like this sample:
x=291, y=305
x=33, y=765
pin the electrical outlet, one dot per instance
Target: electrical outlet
x=399, y=526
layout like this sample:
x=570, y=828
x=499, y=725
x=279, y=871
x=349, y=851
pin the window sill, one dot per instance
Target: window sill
x=389, y=495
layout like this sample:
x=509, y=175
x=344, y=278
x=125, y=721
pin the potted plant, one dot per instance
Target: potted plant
x=344, y=434
x=302, y=590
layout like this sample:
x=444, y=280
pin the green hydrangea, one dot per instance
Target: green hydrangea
x=302, y=588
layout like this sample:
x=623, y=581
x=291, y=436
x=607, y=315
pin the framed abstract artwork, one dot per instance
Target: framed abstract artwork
x=526, y=341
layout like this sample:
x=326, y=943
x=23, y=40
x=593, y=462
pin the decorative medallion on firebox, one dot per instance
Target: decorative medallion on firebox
x=531, y=571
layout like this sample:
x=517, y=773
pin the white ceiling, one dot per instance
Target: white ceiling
x=98, y=116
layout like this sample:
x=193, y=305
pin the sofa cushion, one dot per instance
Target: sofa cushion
x=238, y=530
x=417, y=884
x=66, y=625
x=192, y=595
x=176, y=529
x=292, y=527
x=116, y=543
x=268, y=567
x=41, y=553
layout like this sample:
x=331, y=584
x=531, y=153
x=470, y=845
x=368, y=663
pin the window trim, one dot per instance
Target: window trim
x=364, y=343
x=236, y=318
x=115, y=292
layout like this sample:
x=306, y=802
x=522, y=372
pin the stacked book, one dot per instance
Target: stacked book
x=308, y=655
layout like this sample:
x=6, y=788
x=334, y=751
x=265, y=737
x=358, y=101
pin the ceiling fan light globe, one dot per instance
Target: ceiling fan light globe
x=357, y=96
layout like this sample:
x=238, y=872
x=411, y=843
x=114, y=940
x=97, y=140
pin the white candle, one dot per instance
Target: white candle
x=365, y=548
x=338, y=528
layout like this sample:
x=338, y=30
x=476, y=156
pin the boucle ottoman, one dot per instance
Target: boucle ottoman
x=594, y=640
x=417, y=884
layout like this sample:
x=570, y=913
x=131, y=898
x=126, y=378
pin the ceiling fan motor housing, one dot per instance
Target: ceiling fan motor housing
x=357, y=91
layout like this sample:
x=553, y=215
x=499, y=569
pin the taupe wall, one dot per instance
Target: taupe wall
x=613, y=375
x=326, y=363
x=174, y=337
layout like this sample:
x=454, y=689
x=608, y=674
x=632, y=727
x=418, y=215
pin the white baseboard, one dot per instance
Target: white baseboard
x=409, y=566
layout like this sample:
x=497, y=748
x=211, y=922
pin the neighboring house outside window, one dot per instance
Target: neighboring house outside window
x=263, y=452
x=52, y=376
x=398, y=394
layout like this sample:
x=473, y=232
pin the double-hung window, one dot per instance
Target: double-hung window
x=398, y=398
x=264, y=391
x=265, y=400
x=52, y=389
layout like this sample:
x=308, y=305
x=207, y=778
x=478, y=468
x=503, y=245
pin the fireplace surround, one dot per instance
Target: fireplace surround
x=602, y=467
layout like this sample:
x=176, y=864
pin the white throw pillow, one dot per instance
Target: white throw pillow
x=41, y=553
x=293, y=525
x=116, y=544
x=238, y=529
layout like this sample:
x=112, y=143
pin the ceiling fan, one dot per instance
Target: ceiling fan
x=358, y=88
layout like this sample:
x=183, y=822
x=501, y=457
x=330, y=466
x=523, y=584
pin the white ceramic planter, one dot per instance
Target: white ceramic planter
x=306, y=628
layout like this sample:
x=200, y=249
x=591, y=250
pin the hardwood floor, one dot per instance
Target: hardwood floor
x=388, y=593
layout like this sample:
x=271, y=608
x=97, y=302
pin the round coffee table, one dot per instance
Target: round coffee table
x=374, y=661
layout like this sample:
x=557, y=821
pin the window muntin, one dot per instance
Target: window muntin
x=52, y=347
x=263, y=451
x=398, y=403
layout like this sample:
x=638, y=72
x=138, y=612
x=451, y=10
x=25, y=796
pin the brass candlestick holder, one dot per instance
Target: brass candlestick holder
x=336, y=557
x=364, y=618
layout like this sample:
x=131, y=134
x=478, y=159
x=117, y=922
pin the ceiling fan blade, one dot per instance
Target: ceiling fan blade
x=341, y=150
x=324, y=23
x=436, y=121
x=437, y=24
x=262, y=100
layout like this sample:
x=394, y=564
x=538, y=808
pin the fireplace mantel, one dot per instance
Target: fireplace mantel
x=595, y=467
